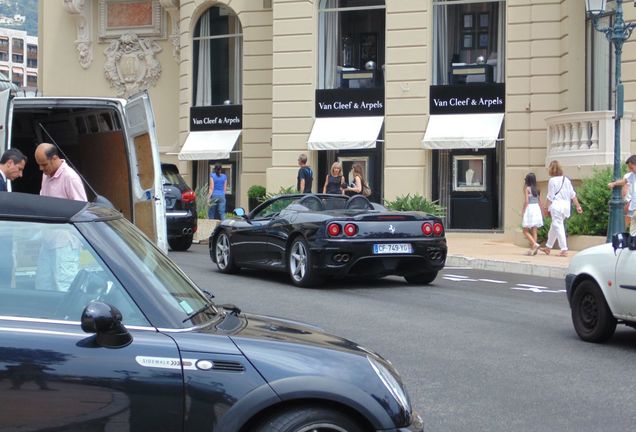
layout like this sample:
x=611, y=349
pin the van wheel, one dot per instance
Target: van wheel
x=223, y=254
x=421, y=278
x=180, y=243
x=592, y=318
x=309, y=420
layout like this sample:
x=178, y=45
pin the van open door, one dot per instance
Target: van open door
x=148, y=201
x=5, y=96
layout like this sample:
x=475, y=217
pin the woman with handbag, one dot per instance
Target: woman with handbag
x=560, y=194
x=359, y=185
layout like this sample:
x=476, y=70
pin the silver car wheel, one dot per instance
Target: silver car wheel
x=223, y=251
x=298, y=261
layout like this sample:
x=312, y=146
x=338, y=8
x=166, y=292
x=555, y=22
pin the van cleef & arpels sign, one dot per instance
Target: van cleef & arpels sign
x=216, y=117
x=350, y=102
x=467, y=99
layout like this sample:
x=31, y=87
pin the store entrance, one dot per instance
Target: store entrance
x=370, y=159
x=466, y=183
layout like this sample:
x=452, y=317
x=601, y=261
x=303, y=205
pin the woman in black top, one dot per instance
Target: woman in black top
x=334, y=182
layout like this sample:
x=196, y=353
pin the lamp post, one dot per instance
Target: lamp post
x=617, y=34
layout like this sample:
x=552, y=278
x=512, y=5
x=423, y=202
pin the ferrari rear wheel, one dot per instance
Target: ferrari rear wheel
x=592, y=318
x=223, y=254
x=421, y=278
x=300, y=264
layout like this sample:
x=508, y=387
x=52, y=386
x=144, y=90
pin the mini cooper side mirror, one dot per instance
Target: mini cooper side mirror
x=105, y=321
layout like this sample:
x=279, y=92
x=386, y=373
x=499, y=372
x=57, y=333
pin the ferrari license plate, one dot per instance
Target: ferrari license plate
x=392, y=248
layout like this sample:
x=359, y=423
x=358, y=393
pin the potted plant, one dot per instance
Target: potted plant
x=255, y=195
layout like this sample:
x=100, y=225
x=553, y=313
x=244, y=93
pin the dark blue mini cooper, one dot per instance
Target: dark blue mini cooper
x=101, y=331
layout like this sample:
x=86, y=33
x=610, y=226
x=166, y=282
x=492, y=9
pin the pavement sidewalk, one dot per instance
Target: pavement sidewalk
x=493, y=254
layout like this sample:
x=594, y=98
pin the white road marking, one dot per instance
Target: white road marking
x=459, y=279
x=493, y=281
x=538, y=290
x=532, y=286
x=457, y=276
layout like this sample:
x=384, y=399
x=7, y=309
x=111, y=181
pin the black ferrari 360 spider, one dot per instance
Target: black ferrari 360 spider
x=314, y=237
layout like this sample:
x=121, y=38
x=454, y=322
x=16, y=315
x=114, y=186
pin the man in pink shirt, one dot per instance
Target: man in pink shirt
x=59, y=258
x=58, y=178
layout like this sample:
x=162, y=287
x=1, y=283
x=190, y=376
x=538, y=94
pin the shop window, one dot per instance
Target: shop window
x=217, y=58
x=351, y=44
x=599, y=67
x=468, y=41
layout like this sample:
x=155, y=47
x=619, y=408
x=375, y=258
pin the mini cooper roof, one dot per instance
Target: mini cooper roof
x=16, y=205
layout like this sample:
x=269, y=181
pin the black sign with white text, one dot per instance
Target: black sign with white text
x=350, y=102
x=216, y=117
x=467, y=99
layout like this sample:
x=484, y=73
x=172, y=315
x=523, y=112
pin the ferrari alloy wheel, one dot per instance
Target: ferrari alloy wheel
x=223, y=254
x=421, y=278
x=300, y=265
x=592, y=318
x=309, y=420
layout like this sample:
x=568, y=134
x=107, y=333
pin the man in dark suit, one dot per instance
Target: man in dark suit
x=12, y=165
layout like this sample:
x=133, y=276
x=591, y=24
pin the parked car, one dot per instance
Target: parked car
x=315, y=236
x=111, y=142
x=601, y=288
x=181, y=208
x=126, y=341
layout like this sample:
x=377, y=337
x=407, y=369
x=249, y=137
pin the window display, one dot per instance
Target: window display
x=468, y=173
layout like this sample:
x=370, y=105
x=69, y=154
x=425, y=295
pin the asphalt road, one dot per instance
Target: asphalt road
x=478, y=351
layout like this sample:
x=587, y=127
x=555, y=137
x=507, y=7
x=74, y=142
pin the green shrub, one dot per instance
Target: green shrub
x=289, y=190
x=415, y=202
x=203, y=203
x=594, y=196
x=256, y=191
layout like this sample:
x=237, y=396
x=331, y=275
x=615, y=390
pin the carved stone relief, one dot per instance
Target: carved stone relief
x=172, y=7
x=131, y=65
x=81, y=12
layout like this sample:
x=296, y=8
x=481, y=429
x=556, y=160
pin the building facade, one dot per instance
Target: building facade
x=455, y=100
x=19, y=57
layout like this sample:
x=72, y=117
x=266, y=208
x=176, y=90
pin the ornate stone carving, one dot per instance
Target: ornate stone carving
x=131, y=65
x=81, y=12
x=172, y=6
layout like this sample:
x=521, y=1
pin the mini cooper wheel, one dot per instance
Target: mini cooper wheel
x=421, y=278
x=309, y=420
x=300, y=264
x=223, y=254
x=592, y=318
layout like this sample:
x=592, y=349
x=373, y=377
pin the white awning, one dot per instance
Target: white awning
x=344, y=133
x=215, y=144
x=454, y=131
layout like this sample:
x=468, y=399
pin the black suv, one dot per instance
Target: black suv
x=181, y=208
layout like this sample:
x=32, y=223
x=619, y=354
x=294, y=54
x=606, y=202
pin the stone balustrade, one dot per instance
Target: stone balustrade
x=586, y=138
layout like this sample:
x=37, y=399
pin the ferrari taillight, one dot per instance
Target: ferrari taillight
x=427, y=229
x=350, y=229
x=438, y=229
x=188, y=196
x=333, y=229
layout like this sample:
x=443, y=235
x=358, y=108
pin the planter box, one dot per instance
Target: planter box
x=204, y=229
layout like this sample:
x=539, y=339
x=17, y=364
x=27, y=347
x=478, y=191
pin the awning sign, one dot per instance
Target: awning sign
x=467, y=99
x=216, y=117
x=364, y=102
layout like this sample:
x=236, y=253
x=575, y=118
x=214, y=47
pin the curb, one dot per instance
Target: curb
x=506, y=266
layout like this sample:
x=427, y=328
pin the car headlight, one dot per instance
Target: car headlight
x=389, y=381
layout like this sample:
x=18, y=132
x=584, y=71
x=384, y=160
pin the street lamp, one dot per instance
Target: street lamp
x=617, y=34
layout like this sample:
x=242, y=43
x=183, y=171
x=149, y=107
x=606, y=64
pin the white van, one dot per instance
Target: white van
x=111, y=142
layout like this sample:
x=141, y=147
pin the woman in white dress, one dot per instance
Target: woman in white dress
x=532, y=217
x=560, y=194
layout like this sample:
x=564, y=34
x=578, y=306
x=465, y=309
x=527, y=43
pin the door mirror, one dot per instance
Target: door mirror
x=619, y=240
x=240, y=212
x=105, y=320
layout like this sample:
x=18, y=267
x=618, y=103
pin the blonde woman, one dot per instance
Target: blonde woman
x=358, y=180
x=560, y=193
x=335, y=181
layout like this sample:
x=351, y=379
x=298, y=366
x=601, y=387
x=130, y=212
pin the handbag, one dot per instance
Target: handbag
x=366, y=190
